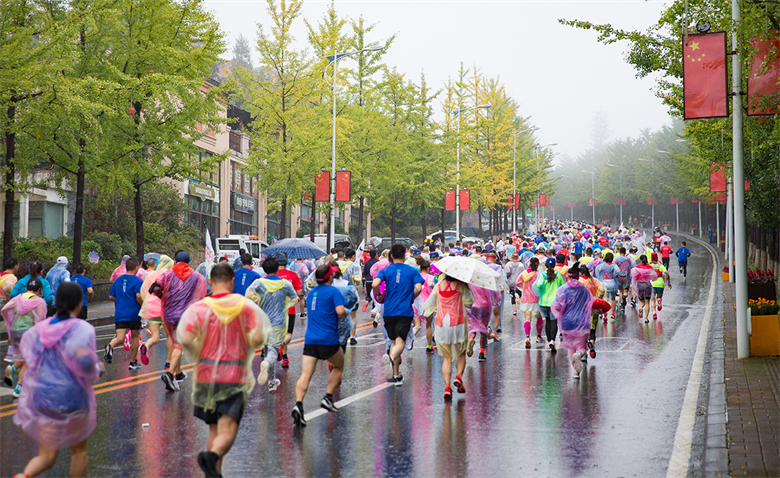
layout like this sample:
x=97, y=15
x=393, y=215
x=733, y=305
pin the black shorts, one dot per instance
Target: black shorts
x=128, y=324
x=397, y=327
x=83, y=313
x=644, y=291
x=290, y=323
x=232, y=405
x=320, y=352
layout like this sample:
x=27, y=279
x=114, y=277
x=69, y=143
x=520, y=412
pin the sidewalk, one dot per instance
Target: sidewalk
x=98, y=314
x=753, y=410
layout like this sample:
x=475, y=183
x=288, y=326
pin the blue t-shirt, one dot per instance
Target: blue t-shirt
x=127, y=306
x=681, y=253
x=578, y=248
x=85, y=283
x=244, y=278
x=400, y=280
x=323, y=326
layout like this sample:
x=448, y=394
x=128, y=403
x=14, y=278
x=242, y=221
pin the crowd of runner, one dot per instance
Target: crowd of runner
x=562, y=281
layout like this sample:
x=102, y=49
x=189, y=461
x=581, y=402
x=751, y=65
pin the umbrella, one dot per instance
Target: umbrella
x=152, y=255
x=601, y=306
x=295, y=248
x=472, y=272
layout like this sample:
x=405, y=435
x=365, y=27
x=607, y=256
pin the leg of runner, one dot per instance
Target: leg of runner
x=308, y=366
x=429, y=334
x=446, y=372
x=222, y=435
x=153, y=340
x=334, y=379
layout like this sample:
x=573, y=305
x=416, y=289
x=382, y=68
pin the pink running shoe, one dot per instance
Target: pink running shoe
x=144, y=354
x=128, y=338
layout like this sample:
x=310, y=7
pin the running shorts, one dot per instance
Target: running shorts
x=83, y=314
x=546, y=313
x=320, y=352
x=623, y=283
x=155, y=320
x=128, y=324
x=397, y=327
x=644, y=291
x=532, y=307
x=290, y=323
x=232, y=406
x=659, y=291
x=612, y=292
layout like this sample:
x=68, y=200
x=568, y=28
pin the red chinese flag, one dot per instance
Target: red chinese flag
x=623, y=201
x=590, y=202
x=717, y=181
x=322, y=184
x=569, y=203
x=762, y=84
x=649, y=201
x=533, y=204
x=511, y=202
x=343, y=186
x=517, y=201
x=617, y=202
x=596, y=202
x=449, y=201
x=464, y=199
x=704, y=76
x=674, y=201
x=545, y=201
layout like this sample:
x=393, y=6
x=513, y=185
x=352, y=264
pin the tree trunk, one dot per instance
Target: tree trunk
x=313, y=227
x=442, y=228
x=392, y=228
x=360, y=221
x=490, y=222
x=78, y=215
x=283, y=220
x=424, y=224
x=479, y=220
x=10, y=171
x=139, y=222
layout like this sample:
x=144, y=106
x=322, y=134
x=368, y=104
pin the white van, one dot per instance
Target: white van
x=229, y=247
x=342, y=241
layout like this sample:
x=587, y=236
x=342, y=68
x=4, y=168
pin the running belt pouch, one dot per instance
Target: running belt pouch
x=58, y=389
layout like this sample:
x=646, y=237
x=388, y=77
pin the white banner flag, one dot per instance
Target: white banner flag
x=209, y=249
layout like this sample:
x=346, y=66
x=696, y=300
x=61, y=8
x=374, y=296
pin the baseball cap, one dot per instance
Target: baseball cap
x=550, y=262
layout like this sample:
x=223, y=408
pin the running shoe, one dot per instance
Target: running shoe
x=285, y=361
x=498, y=330
x=207, y=461
x=108, y=355
x=428, y=349
x=482, y=357
x=9, y=358
x=641, y=312
x=330, y=367
x=655, y=316
x=613, y=314
x=279, y=355
x=494, y=337
x=374, y=323
x=660, y=306
x=167, y=366
x=551, y=346
x=470, y=346
x=181, y=376
x=144, y=354
x=303, y=315
x=17, y=390
x=591, y=349
x=398, y=380
x=514, y=312
x=274, y=384
x=134, y=366
x=633, y=303
x=388, y=366
x=170, y=383
x=262, y=377
x=128, y=338
x=458, y=382
x=328, y=404
x=539, y=338
x=11, y=373
x=297, y=414
x=365, y=306
x=575, y=361
x=447, y=393
x=647, y=320
x=528, y=342
x=352, y=341
x=584, y=357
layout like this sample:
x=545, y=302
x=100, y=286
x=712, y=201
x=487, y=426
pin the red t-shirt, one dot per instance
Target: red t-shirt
x=294, y=280
x=665, y=251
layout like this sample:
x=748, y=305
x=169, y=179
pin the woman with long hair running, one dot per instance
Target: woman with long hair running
x=597, y=290
x=546, y=287
x=529, y=301
x=572, y=305
x=641, y=282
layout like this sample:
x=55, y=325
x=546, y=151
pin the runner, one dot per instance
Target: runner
x=152, y=311
x=529, y=301
x=245, y=275
x=513, y=269
x=683, y=253
x=419, y=303
x=606, y=273
x=658, y=284
x=275, y=296
x=293, y=279
x=58, y=274
x=597, y=290
x=58, y=407
x=496, y=296
x=180, y=287
x=623, y=278
x=121, y=270
x=403, y=284
x=367, y=279
x=20, y=314
x=572, y=305
x=545, y=287
x=321, y=342
x=36, y=268
x=86, y=288
x=221, y=333
x=641, y=282
x=350, y=271
x=7, y=283
x=126, y=294
x=666, y=252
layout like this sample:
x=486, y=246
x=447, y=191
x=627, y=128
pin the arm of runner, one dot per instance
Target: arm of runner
x=341, y=311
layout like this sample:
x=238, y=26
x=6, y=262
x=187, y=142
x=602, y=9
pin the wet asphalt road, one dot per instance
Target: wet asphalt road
x=523, y=413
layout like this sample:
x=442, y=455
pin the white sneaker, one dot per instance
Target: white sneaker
x=262, y=377
x=575, y=361
x=388, y=366
x=274, y=384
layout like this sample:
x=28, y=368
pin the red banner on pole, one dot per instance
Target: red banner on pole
x=762, y=87
x=694, y=201
x=704, y=76
x=322, y=187
x=449, y=201
x=717, y=181
x=623, y=201
x=517, y=201
x=747, y=185
x=511, y=202
x=533, y=204
x=649, y=201
x=465, y=196
x=596, y=203
x=617, y=202
x=680, y=201
x=343, y=186
x=674, y=201
x=590, y=202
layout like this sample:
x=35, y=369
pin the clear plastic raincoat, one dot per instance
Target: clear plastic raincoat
x=58, y=274
x=274, y=296
x=152, y=306
x=642, y=273
x=57, y=407
x=182, y=287
x=449, y=300
x=572, y=306
x=481, y=310
x=217, y=333
x=350, y=303
x=20, y=314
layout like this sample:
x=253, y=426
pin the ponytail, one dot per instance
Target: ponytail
x=35, y=270
x=550, y=274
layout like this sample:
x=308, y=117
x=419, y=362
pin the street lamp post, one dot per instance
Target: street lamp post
x=333, y=59
x=539, y=191
x=652, y=205
x=514, y=174
x=592, y=192
x=457, y=174
x=620, y=189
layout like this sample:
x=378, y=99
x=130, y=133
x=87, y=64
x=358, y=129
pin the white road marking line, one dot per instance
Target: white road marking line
x=348, y=400
x=683, y=437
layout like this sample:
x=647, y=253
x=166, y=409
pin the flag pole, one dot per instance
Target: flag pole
x=743, y=340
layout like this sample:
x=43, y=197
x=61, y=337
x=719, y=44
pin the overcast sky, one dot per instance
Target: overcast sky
x=560, y=76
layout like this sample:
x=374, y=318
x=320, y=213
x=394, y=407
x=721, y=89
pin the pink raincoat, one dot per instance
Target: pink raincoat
x=642, y=273
x=419, y=301
x=449, y=300
x=121, y=270
x=30, y=309
x=182, y=287
x=481, y=311
x=152, y=306
x=572, y=306
x=57, y=406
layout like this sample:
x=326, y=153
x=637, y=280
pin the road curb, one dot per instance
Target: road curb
x=95, y=321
